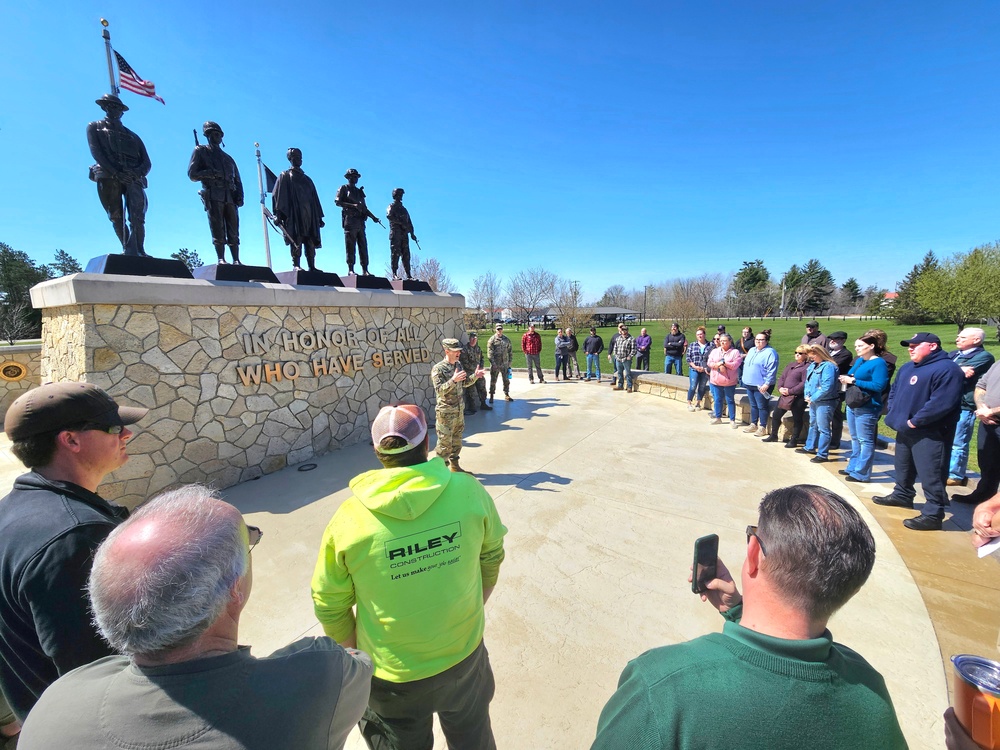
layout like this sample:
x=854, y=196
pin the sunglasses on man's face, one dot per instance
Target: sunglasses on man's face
x=114, y=429
x=255, y=535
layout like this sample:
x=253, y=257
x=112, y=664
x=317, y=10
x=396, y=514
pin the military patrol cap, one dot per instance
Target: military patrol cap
x=452, y=344
x=472, y=334
x=56, y=406
x=352, y=172
x=209, y=126
x=111, y=99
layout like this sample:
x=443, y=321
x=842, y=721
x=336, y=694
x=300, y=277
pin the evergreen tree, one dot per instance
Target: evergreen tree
x=65, y=264
x=906, y=310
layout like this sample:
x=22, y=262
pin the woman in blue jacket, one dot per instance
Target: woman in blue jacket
x=871, y=374
x=822, y=394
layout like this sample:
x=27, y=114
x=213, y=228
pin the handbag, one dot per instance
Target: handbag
x=857, y=397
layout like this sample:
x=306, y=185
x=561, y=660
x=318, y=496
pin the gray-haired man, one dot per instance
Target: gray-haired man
x=168, y=588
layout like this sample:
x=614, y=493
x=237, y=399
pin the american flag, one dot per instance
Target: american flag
x=130, y=80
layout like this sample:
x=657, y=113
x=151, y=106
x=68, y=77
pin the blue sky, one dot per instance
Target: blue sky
x=611, y=143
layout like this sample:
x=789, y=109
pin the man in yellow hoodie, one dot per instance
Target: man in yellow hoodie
x=418, y=549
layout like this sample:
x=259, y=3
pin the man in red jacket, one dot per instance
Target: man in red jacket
x=531, y=345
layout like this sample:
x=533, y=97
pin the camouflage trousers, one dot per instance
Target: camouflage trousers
x=450, y=423
x=494, y=371
x=475, y=396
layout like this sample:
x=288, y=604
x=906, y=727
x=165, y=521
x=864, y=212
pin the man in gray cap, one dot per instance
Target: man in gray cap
x=400, y=232
x=120, y=173
x=70, y=435
x=221, y=191
x=354, y=214
x=450, y=380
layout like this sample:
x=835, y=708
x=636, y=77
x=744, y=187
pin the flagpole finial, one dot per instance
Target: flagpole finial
x=104, y=22
x=256, y=145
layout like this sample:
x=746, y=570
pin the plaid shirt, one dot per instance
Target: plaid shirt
x=624, y=348
x=531, y=343
x=696, y=356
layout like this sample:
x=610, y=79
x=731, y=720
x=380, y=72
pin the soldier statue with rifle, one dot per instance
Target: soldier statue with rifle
x=221, y=190
x=354, y=214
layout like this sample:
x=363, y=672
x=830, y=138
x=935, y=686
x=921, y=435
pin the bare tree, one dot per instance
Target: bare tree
x=614, y=296
x=485, y=293
x=432, y=272
x=528, y=291
x=681, y=302
x=707, y=290
x=567, y=303
x=15, y=323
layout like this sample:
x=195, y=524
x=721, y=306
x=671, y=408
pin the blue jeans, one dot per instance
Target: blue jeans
x=593, y=366
x=820, y=427
x=727, y=392
x=863, y=424
x=669, y=363
x=960, y=445
x=759, y=404
x=698, y=381
x=623, y=370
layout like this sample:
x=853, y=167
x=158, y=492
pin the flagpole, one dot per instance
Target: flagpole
x=263, y=215
x=107, y=50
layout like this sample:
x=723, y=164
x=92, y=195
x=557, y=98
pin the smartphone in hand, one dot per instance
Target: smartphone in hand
x=706, y=555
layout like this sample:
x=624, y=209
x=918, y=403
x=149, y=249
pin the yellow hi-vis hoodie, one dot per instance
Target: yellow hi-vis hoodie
x=413, y=548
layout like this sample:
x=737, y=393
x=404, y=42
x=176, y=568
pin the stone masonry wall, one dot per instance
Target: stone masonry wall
x=15, y=380
x=239, y=391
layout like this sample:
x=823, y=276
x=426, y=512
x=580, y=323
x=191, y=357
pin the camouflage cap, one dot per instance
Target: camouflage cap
x=452, y=344
x=472, y=334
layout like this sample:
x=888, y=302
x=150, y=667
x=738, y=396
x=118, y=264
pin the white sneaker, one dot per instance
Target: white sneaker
x=690, y=407
x=735, y=425
x=716, y=420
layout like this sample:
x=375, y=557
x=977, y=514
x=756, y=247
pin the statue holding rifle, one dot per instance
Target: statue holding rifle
x=221, y=190
x=354, y=214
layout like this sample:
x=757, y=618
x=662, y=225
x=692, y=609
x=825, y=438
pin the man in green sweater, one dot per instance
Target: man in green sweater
x=773, y=678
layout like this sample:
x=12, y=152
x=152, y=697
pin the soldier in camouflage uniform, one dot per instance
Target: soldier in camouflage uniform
x=471, y=360
x=501, y=354
x=450, y=380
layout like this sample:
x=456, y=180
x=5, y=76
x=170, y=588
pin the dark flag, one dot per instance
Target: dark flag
x=131, y=81
x=270, y=178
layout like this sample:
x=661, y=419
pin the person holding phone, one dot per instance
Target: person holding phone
x=774, y=675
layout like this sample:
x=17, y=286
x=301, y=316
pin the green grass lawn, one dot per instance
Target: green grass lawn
x=786, y=334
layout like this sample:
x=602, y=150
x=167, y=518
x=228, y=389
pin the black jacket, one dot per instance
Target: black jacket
x=49, y=532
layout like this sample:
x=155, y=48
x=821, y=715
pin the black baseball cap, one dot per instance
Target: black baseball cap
x=838, y=335
x=56, y=406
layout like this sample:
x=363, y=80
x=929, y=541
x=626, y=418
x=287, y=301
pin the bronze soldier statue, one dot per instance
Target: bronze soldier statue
x=400, y=231
x=297, y=211
x=120, y=173
x=354, y=214
x=221, y=191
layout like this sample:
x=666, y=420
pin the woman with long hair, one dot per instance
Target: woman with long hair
x=822, y=393
x=870, y=374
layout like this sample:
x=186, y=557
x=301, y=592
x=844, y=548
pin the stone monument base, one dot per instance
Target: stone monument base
x=240, y=379
x=309, y=278
x=138, y=265
x=410, y=285
x=353, y=281
x=232, y=272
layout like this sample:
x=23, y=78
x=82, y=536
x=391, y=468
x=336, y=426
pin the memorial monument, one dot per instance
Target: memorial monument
x=354, y=214
x=297, y=211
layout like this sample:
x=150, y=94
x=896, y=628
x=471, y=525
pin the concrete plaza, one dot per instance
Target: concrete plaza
x=603, y=494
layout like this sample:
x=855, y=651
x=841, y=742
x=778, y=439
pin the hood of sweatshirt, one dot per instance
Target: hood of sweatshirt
x=404, y=492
